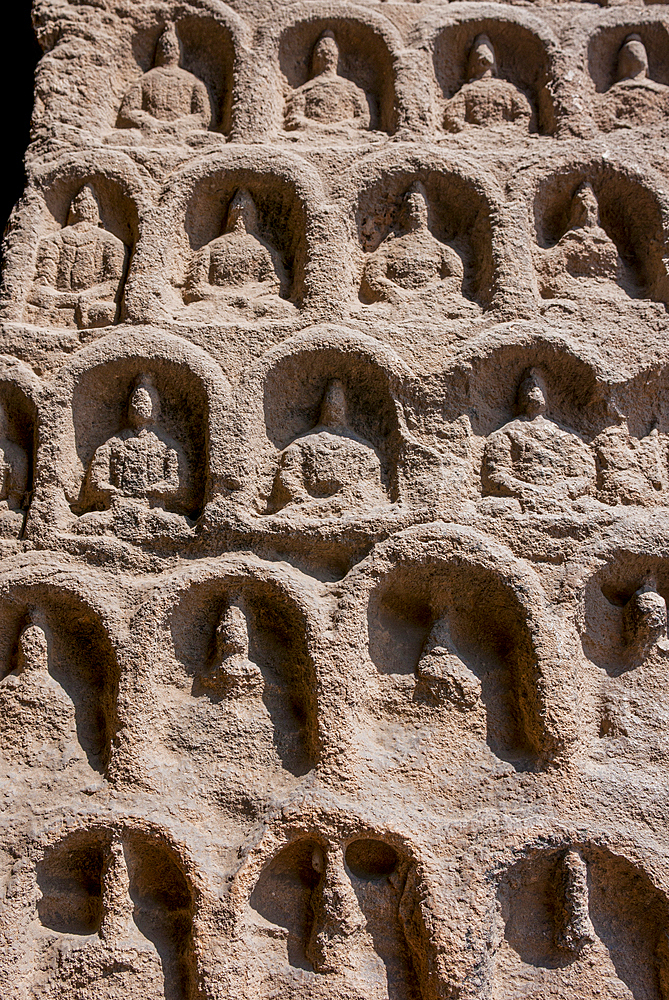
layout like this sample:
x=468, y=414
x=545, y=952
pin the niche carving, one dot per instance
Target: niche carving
x=108, y=894
x=247, y=251
x=243, y=644
x=81, y=267
x=425, y=238
x=454, y=639
x=629, y=67
x=333, y=424
x=17, y=432
x=187, y=83
x=339, y=77
x=344, y=909
x=494, y=74
x=140, y=434
x=59, y=681
x=631, y=469
x=595, y=239
x=581, y=922
x=534, y=460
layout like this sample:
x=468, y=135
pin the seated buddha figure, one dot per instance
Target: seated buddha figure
x=535, y=460
x=410, y=258
x=443, y=672
x=635, y=98
x=632, y=470
x=240, y=266
x=331, y=463
x=327, y=99
x=486, y=98
x=13, y=481
x=141, y=467
x=167, y=98
x=585, y=261
x=79, y=271
x=231, y=671
x=645, y=621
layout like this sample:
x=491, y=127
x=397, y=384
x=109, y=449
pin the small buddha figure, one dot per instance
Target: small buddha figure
x=80, y=270
x=142, y=465
x=573, y=930
x=240, y=266
x=487, y=98
x=13, y=481
x=167, y=98
x=535, y=460
x=410, y=258
x=635, y=98
x=444, y=673
x=231, y=671
x=632, y=470
x=338, y=923
x=330, y=462
x=117, y=906
x=328, y=99
x=645, y=621
x=585, y=260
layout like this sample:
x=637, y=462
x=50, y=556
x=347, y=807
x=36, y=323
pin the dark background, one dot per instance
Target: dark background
x=17, y=70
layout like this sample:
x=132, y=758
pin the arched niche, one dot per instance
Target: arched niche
x=283, y=217
x=344, y=903
x=524, y=58
x=486, y=652
x=579, y=919
x=295, y=386
x=489, y=380
x=365, y=57
x=116, y=886
x=20, y=393
x=243, y=639
x=604, y=45
x=459, y=212
x=62, y=682
x=631, y=214
x=208, y=45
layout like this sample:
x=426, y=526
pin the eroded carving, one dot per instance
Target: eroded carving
x=167, y=98
x=487, y=98
x=80, y=270
x=14, y=480
x=240, y=267
x=535, y=460
x=328, y=99
x=635, y=98
x=231, y=670
x=632, y=470
x=410, y=258
x=140, y=468
x=330, y=464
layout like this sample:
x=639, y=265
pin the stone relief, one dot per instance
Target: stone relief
x=487, y=98
x=80, y=271
x=329, y=553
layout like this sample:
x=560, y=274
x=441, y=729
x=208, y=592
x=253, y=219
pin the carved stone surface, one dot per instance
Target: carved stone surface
x=334, y=504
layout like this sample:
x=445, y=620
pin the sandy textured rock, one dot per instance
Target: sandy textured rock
x=334, y=507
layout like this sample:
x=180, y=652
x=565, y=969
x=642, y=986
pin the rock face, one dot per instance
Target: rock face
x=334, y=506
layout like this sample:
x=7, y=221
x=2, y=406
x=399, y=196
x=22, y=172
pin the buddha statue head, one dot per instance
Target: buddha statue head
x=632, y=59
x=414, y=214
x=482, y=63
x=144, y=404
x=84, y=207
x=531, y=398
x=168, y=49
x=325, y=57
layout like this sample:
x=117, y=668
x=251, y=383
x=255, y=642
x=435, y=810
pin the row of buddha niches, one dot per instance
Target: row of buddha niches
x=326, y=451
x=501, y=76
x=424, y=243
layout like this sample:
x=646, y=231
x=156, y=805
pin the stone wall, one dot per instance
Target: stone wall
x=334, y=536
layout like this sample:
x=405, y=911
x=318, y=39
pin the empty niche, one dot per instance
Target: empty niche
x=141, y=442
x=17, y=440
x=187, y=79
x=455, y=638
x=599, y=236
x=246, y=246
x=629, y=67
x=345, y=910
x=338, y=73
x=86, y=236
x=118, y=890
x=59, y=678
x=494, y=73
x=581, y=922
x=243, y=644
x=332, y=420
x=425, y=236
